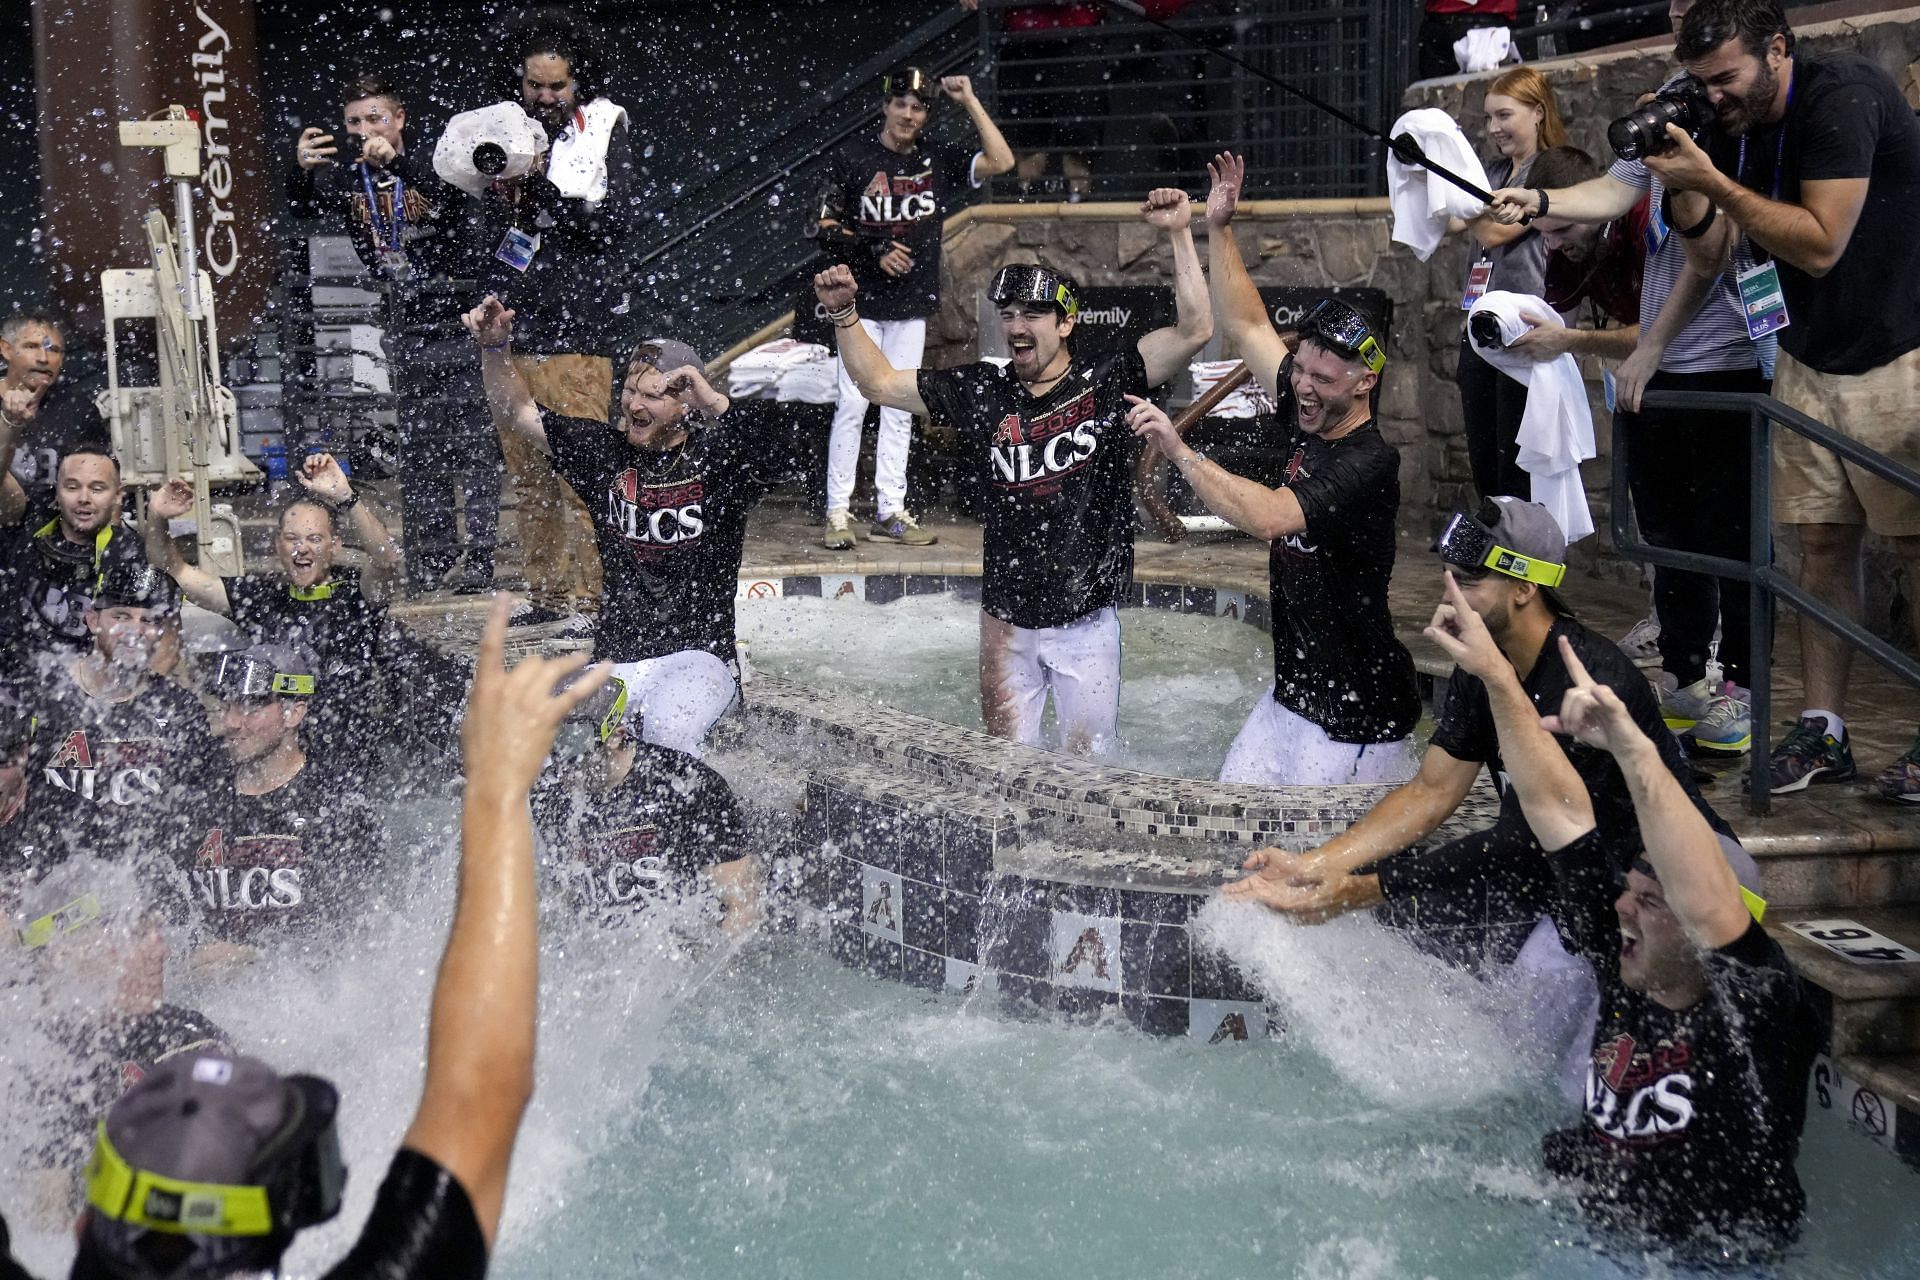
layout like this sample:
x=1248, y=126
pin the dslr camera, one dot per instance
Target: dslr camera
x=1643, y=131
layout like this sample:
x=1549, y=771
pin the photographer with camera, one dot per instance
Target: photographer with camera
x=1683, y=466
x=409, y=227
x=1816, y=160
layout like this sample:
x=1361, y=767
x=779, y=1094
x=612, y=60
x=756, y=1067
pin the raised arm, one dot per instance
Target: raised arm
x=1552, y=798
x=1236, y=302
x=480, y=1042
x=1698, y=882
x=866, y=364
x=17, y=409
x=996, y=157
x=508, y=398
x=1167, y=351
x=1246, y=504
x=169, y=502
x=321, y=475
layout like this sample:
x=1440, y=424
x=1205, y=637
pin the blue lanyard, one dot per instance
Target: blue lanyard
x=1780, y=147
x=399, y=219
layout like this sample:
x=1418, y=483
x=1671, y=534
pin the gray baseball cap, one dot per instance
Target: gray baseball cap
x=1509, y=536
x=667, y=354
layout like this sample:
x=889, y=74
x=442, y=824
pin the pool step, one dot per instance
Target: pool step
x=1882, y=1097
x=1876, y=1006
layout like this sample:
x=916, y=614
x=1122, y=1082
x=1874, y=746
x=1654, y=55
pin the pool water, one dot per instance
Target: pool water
x=1187, y=681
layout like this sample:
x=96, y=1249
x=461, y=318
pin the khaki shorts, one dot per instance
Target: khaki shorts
x=1879, y=408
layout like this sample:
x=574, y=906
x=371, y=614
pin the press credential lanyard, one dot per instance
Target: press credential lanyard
x=1762, y=301
x=391, y=245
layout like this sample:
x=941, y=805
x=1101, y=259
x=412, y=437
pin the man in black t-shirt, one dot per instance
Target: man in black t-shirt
x=1817, y=161
x=51, y=560
x=317, y=605
x=413, y=230
x=1343, y=703
x=212, y=1163
x=1477, y=898
x=1057, y=459
x=1696, y=1085
x=122, y=763
x=294, y=852
x=47, y=416
x=669, y=485
x=883, y=207
x=628, y=824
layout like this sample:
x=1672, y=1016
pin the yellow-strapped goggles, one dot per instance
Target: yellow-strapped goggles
x=1467, y=544
x=318, y=591
x=172, y=1205
x=59, y=922
x=240, y=675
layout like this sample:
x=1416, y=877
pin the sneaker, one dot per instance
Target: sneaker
x=1901, y=780
x=839, y=534
x=901, y=528
x=1682, y=708
x=470, y=579
x=1725, y=726
x=573, y=626
x=1810, y=755
x=527, y=614
x=1641, y=644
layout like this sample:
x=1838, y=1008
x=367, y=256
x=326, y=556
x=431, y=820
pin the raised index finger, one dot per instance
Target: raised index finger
x=491, y=659
x=1581, y=680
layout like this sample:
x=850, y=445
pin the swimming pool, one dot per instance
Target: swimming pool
x=1187, y=681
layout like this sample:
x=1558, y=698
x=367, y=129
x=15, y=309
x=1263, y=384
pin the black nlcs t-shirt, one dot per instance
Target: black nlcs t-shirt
x=881, y=195
x=1466, y=732
x=1058, y=524
x=1336, y=660
x=614, y=853
x=66, y=419
x=46, y=587
x=302, y=858
x=670, y=524
x=110, y=1056
x=119, y=779
x=1693, y=1116
x=1846, y=119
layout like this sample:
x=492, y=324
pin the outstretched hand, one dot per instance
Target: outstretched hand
x=1512, y=205
x=19, y=404
x=1168, y=208
x=513, y=715
x=1301, y=885
x=171, y=500
x=321, y=476
x=1591, y=712
x=835, y=286
x=490, y=323
x=1463, y=635
x=1228, y=173
x=1150, y=423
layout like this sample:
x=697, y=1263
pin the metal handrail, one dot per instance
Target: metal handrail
x=1758, y=569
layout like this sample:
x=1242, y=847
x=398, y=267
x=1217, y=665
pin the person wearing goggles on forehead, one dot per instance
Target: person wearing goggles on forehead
x=52, y=558
x=122, y=762
x=626, y=824
x=1696, y=1069
x=1478, y=898
x=1049, y=432
x=882, y=207
x=1343, y=702
x=296, y=850
x=212, y=1164
x=93, y=935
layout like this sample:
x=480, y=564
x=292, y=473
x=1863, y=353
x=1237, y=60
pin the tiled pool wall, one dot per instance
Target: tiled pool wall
x=938, y=856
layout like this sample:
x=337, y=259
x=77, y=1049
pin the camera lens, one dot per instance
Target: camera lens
x=1486, y=331
x=490, y=158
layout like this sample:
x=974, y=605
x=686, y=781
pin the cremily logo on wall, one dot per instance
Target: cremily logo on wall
x=219, y=241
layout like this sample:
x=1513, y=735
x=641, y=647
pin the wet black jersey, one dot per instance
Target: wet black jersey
x=1336, y=660
x=46, y=587
x=422, y=1228
x=1693, y=1116
x=616, y=852
x=303, y=857
x=670, y=524
x=108, y=1057
x=1057, y=539
x=879, y=196
x=118, y=779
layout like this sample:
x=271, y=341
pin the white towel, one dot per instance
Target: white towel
x=1423, y=201
x=1556, y=431
x=578, y=161
x=1483, y=48
x=785, y=369
x=1248, y=400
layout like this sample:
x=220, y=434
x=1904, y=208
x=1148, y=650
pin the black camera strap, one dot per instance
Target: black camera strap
x=1405, y=149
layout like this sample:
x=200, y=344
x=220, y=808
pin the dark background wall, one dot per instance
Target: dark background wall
x=699, y=79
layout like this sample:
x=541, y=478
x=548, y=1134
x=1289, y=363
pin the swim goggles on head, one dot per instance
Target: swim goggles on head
x=1344, y=330
x=1467, y=544
x=1028, y=282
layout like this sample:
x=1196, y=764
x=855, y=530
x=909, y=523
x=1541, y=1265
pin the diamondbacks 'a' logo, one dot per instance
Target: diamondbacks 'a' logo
x=1615, y=1059
x=74, y=753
